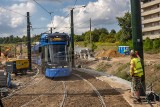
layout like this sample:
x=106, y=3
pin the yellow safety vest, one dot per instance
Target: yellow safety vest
x=138, y=70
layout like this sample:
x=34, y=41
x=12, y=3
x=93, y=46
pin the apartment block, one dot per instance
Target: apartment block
x=150, y=12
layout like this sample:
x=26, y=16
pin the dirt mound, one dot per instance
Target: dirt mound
x=108, y=53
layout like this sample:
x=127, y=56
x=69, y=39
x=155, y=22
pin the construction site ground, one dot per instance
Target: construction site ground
x=113, y=62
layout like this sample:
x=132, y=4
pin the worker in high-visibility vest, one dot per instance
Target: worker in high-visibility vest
x=125, y=51
x=136, y=72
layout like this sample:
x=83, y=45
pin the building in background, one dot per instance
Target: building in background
x=150, y=19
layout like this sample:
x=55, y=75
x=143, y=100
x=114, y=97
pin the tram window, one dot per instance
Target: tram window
x=57, y=53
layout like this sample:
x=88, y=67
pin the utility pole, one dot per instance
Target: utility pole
x=29, y=41
x=90, y=33
x=15, y=50
x=21, y=48
x=137, y=35
x=0, y=50
x=72, y=38
x=51, y=30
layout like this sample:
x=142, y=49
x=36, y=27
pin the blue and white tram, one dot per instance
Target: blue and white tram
x=55, y=58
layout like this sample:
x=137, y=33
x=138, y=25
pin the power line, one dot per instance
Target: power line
x=82, y=23
x=13, y=11
x=75, y=3
x=43, y=7
x=66, y=15
x=63, y=20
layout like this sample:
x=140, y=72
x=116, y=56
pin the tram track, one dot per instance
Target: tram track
x=49, y=94
x=26, y=99
x=65, y=95
x=111, y=97
x=95, y=90
x=77, y=90
x=30, y=94
x=26, y=104
x=26, y=85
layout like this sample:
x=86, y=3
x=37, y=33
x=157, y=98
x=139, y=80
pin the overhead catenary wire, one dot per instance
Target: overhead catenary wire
x=13, y=11
x=50, y=13
x=66, y=15
x=75, y=3
x=62, y=21
x=81, y=23
x=42, y=7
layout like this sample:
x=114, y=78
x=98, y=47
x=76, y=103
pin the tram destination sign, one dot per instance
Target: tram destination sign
x=57, y=39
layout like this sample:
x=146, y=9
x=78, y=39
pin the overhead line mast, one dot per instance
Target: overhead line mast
x=137, y=35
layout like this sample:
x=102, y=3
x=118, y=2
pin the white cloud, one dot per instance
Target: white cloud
x=102, y=12
x=12, y=18
x=43, y=0
x=61, y=24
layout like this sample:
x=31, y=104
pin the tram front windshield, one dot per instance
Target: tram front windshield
x=58, y=54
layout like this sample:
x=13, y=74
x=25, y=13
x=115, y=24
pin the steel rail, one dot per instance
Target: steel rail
x=25, y=105
x=65, y=94
x=31, y=83
x=96, y=91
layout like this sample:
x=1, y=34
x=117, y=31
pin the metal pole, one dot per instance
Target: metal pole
x=72, y=37
x=91, y=35
x=29, y=41
x=21, y=48
x=0, y=50
x=51, y=30
x=137, y=35
x=90, y=32
x=15, y=50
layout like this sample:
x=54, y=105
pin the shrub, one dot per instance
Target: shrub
x=156, y=43
x=103, y=66
x=93, y=46
x=122, y=73
x=85, y=44
x=148, y=44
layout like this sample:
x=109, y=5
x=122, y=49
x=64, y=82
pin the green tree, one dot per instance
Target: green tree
x=102, y=37
x=118, y=35
x=78, y=38
x=112, y=31
x=125, y=24
x=96, y=33
x=87, y=36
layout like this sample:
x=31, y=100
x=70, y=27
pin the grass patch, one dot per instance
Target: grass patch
x=100, y=46
x=122, y=72
x=152, y=51
x=103, y=66
x=122, y=67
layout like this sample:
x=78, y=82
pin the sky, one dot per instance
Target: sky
x=56, y=13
